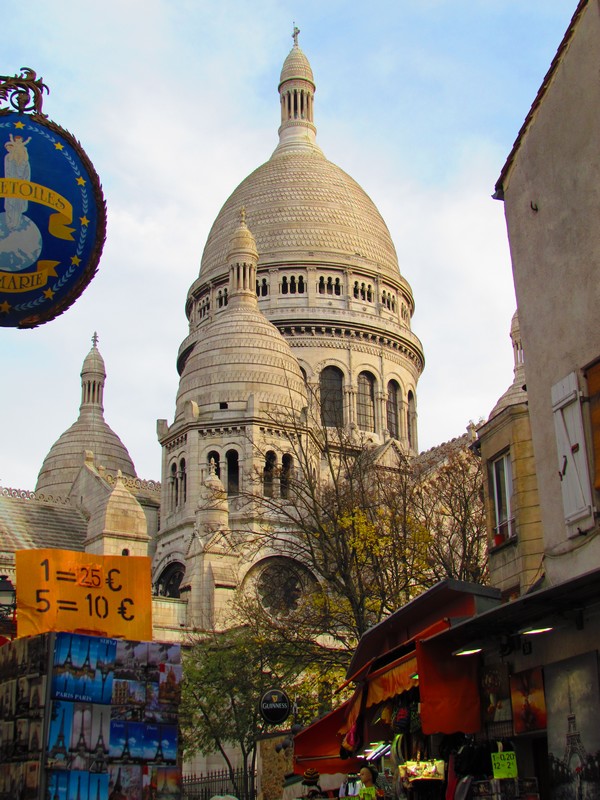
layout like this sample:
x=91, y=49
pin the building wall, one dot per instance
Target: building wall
x=516, y=563
x=552, y=206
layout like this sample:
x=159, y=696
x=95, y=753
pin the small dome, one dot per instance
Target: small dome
x=90, y=432
x=296, y=66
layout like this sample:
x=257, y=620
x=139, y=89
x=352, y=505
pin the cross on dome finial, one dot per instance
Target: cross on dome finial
x=243, y=215
x=95, y=339
x=295, y=35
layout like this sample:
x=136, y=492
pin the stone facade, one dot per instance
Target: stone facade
x=515, y=543
x=298, y=301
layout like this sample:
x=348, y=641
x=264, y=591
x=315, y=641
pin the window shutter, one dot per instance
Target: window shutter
x=572, y=456
x=593, y=379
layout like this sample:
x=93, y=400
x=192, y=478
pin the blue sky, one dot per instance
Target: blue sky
x=176, y=102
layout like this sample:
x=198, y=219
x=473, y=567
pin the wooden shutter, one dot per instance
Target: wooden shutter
x=572, y=456
x=593, y=379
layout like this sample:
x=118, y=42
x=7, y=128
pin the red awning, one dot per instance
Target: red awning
x=318, y=746
x=449, y=689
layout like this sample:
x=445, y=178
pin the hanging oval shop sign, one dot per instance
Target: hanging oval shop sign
x=275, y=706
x=52, y=211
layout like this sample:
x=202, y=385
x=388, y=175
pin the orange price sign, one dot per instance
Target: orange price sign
x=64, y=590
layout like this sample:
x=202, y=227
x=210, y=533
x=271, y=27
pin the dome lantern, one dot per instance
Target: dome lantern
x=296, y=92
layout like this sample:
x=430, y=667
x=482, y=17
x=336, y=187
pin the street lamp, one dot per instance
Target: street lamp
x=8, y=606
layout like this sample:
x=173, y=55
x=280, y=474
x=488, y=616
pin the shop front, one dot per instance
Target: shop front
x=457, y=695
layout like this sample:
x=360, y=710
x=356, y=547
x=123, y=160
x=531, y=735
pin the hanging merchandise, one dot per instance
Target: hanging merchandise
x=401, y=716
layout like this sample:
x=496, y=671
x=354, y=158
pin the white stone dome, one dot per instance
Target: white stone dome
x=90, y=432
x=300, y=203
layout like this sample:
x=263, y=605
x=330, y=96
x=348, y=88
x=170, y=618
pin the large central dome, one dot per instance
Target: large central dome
x=298, y=202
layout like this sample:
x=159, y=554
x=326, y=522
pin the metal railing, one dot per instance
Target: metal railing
x=219, y=782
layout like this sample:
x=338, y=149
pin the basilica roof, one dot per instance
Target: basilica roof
x=300, y=205
x=89, y=432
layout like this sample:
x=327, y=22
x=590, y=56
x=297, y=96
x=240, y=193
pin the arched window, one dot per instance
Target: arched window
x=173, y=488
x=337, y=289
x=214, y=457
x=233, y=472
x=182, y=479
x=411, y=420
x=321, y=285
x=300, y=284
x=287, y=464
x=292, y=284
x=269, y=474
x=284, y=285
x=331, y=385
x=170, y=580
x=392, y=409
x=365, y=402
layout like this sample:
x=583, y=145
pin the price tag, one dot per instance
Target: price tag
x=504, y=764
x=64, y=590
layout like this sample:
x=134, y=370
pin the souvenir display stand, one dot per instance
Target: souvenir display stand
x=89, y=718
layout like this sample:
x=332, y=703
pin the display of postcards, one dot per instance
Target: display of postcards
x=57, y=784
x=7, y=738
x=152, y=695
x=9, y=660
x=126, y=741
x=37, y=695
x=125, y=782
x=32, y=772
x=165, y=714
x=4, y=778
x=22, y=656
x=22, y=695
x=59, y=734
x=21, y=742
x=15, y=779
x=35, y=736
x=79, y=781
x=168, y=782
x=100, y=738
x=148, y=782
x=164, y=653
x=133, y=713
x=83, y=668
x=169, y=689
x=8, y=696
x=37, y=654
x=81, y=736
x=98, y=786
x=128, y=692
x=168, y=742
x=131, y=660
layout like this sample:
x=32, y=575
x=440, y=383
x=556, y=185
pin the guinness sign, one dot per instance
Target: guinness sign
x=275, y=706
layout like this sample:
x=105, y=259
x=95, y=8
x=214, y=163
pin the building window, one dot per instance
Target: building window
x=169, y=582
x=331, y=385
x=269, y=474
x=182, y=480
x=392, y=409
x=173, y=488
x=233, y=472
x=365, y=402
x=262, y=287
x=214, y=463
x=411, y=420
x=287, y=463
x=501, y=480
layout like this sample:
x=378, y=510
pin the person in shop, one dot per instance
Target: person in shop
x=368, y=790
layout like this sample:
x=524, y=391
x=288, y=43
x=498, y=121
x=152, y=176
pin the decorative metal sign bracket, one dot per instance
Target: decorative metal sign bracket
x=23, y=93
